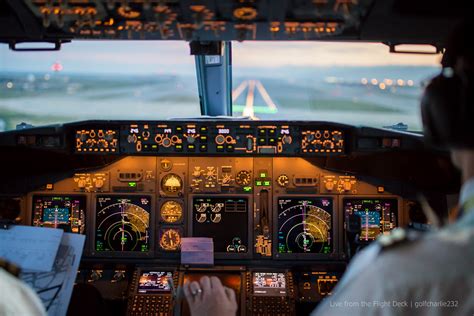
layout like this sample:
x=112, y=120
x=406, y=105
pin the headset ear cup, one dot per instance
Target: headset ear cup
x=426, y=118
x=428, y=112
x=440, y=106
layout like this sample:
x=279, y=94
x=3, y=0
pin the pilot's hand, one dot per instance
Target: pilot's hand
x=209, y=297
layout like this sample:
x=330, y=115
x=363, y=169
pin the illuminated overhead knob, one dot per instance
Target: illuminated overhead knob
x=166, y=142
x=191, y=139
x=283, y=180
x=245, y=13
x=328, y=144
x=81, y=183
x=99, y=183
x=329, y=185
x=220, y=139
x=243, y=178
x=347, y=186
x=286, y=140
x=127, y=12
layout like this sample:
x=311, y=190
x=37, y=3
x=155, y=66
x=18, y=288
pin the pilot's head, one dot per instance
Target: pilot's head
x=447, y=105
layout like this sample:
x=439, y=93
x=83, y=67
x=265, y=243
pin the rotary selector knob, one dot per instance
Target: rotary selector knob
x=329, y=185
x=283, y=180
x=220, y=139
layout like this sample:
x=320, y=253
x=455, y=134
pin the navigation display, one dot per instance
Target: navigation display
x=151, y=282
x=305, y=225
x=62, y=211
x=269, y=283
x=122, y=223
x=377, y=216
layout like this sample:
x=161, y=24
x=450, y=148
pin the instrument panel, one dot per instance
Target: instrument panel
x=264, y=192
x=254, y=208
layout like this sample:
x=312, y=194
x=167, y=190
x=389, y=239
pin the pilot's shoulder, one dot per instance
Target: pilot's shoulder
x=397, y=238
x=424, y=253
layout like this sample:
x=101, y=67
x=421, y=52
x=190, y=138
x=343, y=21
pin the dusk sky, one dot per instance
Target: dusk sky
x=151, y=57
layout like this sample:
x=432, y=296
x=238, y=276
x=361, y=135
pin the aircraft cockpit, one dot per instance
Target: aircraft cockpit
x=262, y=142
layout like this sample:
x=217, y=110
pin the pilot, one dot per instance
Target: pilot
x=209, y=297
x=17, y=298
x=408, y=272
x=431, y=273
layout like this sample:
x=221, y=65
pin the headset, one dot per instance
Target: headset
x=447, y=105
x=447, y=110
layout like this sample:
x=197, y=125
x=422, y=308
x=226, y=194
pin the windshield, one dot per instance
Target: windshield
x=98, y=80
x=355, y=83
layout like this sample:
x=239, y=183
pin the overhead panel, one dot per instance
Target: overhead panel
x=201, y=20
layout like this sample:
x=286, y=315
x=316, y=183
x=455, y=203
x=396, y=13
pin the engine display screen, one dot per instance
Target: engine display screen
x=62, y=211
x=225, y=220
x=122, y=223
x=305, y=225
x=377, y=216
x=151, y=282
x=269, y=283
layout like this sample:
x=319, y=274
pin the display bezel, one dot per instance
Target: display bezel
x=226, y=255
x=368, y=197
x=129, y=254
x=334, y=255
x=286, y=288
x=151, y=291
x=61, y=194
x=160, y=204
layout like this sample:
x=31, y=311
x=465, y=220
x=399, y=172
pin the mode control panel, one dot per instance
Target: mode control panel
x=215, y=138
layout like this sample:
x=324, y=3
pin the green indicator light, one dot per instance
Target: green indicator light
x=132, y=184
x=247, y=189
x=263, y=175
x=267, y=183
x=258, y=183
